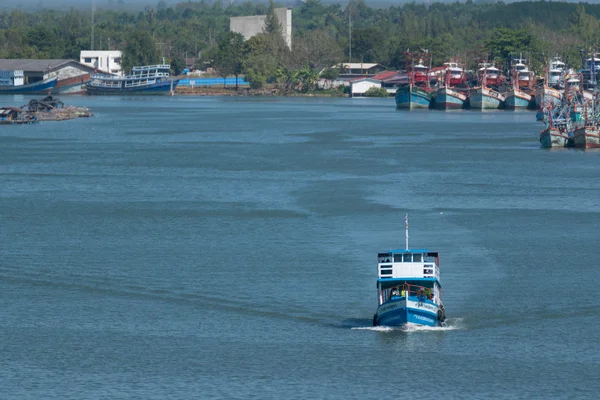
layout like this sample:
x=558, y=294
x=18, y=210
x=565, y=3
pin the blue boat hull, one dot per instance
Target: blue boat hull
x=153, y=89
x=412, y=99
x=485, y=100
x=515, y=102
x=41, y=87
x=448, y=100
x=400, y=312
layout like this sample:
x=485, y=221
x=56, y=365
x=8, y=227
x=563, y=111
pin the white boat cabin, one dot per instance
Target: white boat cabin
x=12, y=78
x=408, y=264
x=411, y=273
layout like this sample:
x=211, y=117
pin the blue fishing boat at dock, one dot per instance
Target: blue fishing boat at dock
x=40, y=87
x=147, y=79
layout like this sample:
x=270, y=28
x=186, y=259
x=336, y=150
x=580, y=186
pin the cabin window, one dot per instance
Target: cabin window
x=87, y=60
x=397, y=257
x=407, y=257
x=386, y=270
x=417, y=257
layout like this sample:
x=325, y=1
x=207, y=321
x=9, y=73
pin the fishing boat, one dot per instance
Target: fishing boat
x=516, y=98
x=557, y=134
x=590, y=71
x=491, y=74
x=456, y=74
x=16, y=87
x=485, y=98
x=546, y=96
x=521, y=73
x=147, y=79
x=412, y=97
x=587, y=137
x=555, y=72
x=587, y=132
x=408, y=287
x=447, y=97
x=418, y=92
x=561, y=120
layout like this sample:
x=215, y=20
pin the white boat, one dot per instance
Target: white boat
x=145, y=79
x=408, y=288
x=556, y=72
x=523, y=76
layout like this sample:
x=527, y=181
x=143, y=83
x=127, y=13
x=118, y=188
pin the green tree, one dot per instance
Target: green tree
x=272, y=24
x=140, y=49
x=229, y=56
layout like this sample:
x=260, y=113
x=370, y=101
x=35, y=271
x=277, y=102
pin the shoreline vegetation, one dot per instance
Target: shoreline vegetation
x=323, y=35
x=246, y=91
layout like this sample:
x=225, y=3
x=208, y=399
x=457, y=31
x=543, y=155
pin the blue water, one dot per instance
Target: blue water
x=221, y=248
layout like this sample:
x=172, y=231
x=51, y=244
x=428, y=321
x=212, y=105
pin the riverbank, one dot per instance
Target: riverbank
x=268, y=91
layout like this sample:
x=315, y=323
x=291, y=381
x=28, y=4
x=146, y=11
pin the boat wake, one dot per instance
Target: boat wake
x=451, y=324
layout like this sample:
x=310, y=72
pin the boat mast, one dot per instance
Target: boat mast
x=406, y=229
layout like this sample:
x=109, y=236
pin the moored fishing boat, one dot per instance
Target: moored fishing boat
x=516, y=98
x=555, y=72
x=40, y=87
x=412, y=97
x=547, y=96
x=522, y=76
x=491, y=74
x=148, y=79
x=408, y=288
x=418, y=93
x=556, y=136
x=587, y=137
x=447, y=97
x=456, y=74
x=485, y=98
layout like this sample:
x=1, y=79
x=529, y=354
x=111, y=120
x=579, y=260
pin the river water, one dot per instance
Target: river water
x=225, y=247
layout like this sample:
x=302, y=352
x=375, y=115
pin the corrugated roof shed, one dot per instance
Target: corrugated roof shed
x=9, y=64
x=385, y=75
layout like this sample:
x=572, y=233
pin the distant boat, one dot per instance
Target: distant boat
x=521, y=74
x=485, y=98
x=547, y=96
x=556, y=135
x=590, y=71
x=491, y=74
x=39, y=87
x=447, y=97
x=148, y=79
x=587, y=137
x=412, y=97
x=456, y=74
x=418, y=93
x=408, y=288
x=516, y=98
x=556, y=72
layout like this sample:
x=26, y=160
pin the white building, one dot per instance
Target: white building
x=255, y=24
x=107, y=61
x=360, y=86
x=12, y=78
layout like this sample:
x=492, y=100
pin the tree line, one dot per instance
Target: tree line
x=322, y=34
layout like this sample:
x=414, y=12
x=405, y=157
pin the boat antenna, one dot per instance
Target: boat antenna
x=406, y=229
